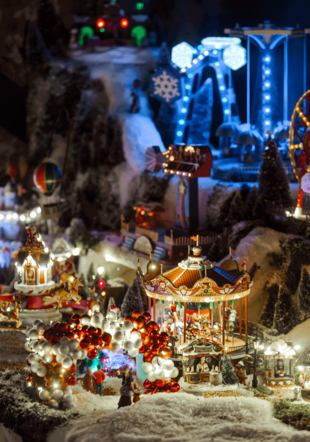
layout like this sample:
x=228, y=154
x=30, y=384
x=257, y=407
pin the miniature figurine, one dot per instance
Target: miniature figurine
x=33, y=238
x=100, y=377
x=126, y=392
x=200, y=365
x=240, y=373
x=88, y=380
x=65, y=293
x=136, y=393
x=125, y=375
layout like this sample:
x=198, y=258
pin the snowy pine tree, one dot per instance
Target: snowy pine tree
x=228, y=373
x=236, y=211
x=284, y=318
x=132, y=300
x=268, y=313
x=304, y=294
x=258, y=211
x=250, y=202
x=225, y=208
x=273, y=182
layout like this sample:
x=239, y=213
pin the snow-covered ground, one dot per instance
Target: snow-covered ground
x=182, y=417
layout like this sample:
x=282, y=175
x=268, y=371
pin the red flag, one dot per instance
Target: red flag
x=243, y=264
x=194, y=238
x=231, y=249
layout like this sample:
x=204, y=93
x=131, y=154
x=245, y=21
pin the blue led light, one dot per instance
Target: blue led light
x=179, y=133
x=214, y=52
x=200, y=47
x=267, y=110
x=183, y=110
x=181, y=121
x=217, y=63
x=267, y=59
x=187, y=86
x=267, y=71
x=219, y=76
x=224, y=100
x=195, y=51
x=185, y=98
x=190, y=75
x=226, y=111
x=267, y=122
x=222, y=88
x=267, y=83
x=267, y=97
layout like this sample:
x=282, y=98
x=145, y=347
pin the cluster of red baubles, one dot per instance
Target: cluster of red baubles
x=154, y=344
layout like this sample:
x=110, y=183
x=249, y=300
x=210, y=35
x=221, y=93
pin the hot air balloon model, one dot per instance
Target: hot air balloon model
x=47, y=177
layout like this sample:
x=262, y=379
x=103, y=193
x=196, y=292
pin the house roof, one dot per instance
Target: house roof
x=42, y=262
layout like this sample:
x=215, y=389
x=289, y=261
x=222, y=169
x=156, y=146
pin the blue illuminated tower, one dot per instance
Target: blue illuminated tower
x=267, y=38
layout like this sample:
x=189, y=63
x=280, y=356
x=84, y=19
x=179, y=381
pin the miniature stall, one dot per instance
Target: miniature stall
x=197, y=281
x=303, y=366
x=279, y=365
x=202, y=362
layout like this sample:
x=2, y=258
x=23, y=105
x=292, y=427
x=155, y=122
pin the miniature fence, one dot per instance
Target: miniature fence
x=147, y=232
x=185, y=241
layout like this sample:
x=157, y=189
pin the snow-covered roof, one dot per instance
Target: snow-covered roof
x=280, y=349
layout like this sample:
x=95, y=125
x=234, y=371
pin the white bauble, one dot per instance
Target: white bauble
x=127, y=345
x=120, y=321
x=151, y=376
x=57, y=395
x=53, y=404
x=34, y=367
x=118, y=328
x=112, y=316
x=76, y=353
x=55, y=349
x=60, y=358
x=73, y=344
x=128, y=326
x=157, y=361
x=106, y=325
x=27, y=346
x=28, y=330
x=85, y=320
x=32, y=358
x=168, y=364
x=37, y=322
x=44, y=395
x=67, y=362
x=41, y=371
x=64, y=341
x=118, y=336
x=83, y=354
x=159, y=374
x=64, y=349
x=33, y=334
x=115, y=346
x=36, y=345
x=41, y=328
x=113, y=325
x=174, y=372
x=47, y=359
x=147, y=367
x=137, y=343
x=95, y=321
x=133, y=352
x=46, y=347
x=135, y=335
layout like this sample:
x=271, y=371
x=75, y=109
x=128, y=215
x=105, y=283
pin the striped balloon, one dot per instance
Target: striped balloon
x=47, y=177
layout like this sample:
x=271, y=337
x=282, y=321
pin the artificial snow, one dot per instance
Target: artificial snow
x=204, y=387
x=182, y=417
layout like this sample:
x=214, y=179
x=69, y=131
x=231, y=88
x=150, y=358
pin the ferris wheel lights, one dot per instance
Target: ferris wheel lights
x=224, y=100
x=183, y=70
x=200, y=57
x=185, y=98
x=219, y=76
x=217, y=63
x=206, y=53
x=187, y=86
x=179, y=133
x=195, y=61
x=226, y=111
x=183, y=110
x=222, y=88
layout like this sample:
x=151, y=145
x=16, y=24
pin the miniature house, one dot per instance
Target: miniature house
x=279, y=364
x=34, y=272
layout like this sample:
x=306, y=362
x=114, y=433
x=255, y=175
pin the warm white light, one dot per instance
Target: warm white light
x=100, y=270
x=300, y=368
x=9, y=216
x=76, y=251
x=22, y=218
x=297, y=347
x=33, y=214
x=38, y=209
x=46, y=249
x=15, y=216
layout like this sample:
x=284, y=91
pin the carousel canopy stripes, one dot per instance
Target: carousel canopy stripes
x=179, y=277
x=221, y=277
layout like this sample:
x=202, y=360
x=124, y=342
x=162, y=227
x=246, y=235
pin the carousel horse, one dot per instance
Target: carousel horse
x=69, y=292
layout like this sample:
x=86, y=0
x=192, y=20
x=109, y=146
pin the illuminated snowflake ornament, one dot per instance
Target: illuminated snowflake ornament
x=182, y=54
x=166, y=85
x=234, y=57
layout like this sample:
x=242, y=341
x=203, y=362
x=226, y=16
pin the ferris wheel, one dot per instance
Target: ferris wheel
x=299, y=149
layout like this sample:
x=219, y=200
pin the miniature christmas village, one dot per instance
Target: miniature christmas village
x=154, y=222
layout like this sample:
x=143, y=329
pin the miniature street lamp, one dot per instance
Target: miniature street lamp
x=255, y=344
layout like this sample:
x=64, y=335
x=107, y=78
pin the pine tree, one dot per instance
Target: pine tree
x=225, y=208
x=250, y=203
x=258, y=211
x=268, y=313
x=91, y=273
x=215, y=200
x=244, y=192
x=228, y=373
x=132, y=300
x=284, y=311
x=236, y=211
x=273, y=182
x=304, y=293
x=216, y=252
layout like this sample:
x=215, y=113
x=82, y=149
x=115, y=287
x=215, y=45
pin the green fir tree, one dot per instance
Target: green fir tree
x=284, y=318
x=250, y=203
x=236, y=211
x=269, y=309
x=304, y=294
x=228, y=373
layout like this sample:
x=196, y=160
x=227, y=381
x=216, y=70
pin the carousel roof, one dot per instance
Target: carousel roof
x=192, y=281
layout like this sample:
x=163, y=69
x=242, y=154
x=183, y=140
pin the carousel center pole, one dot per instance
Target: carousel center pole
x=223, y=336
x=185, y=309
x=240, y=318
x=154, y=309
x=246, y=323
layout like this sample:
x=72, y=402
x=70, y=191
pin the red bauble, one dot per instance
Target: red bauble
x=140, y=322
x=148, y=392
x=165, y=352
x=147, y=316
x=147, y=384
x=99, y=331
x=146, y=340
x=106, y=338
x=71, y=380
x=175, y=388
x=128, y=318
x=92, y=330
x=76, y=318
x=154, y=334
x=142, y=349
x=85, y=328
x=92, y=354
x=165, y=336
x=84, y=344
x=150, y=326
x=155, y=349
x=148, y=356
x=27, y=362
x=96, y=341
x=71, y=369
x=70, y=334
x=161, y=383
x=136, y=313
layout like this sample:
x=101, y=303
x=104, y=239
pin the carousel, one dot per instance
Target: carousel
x=219, y=292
